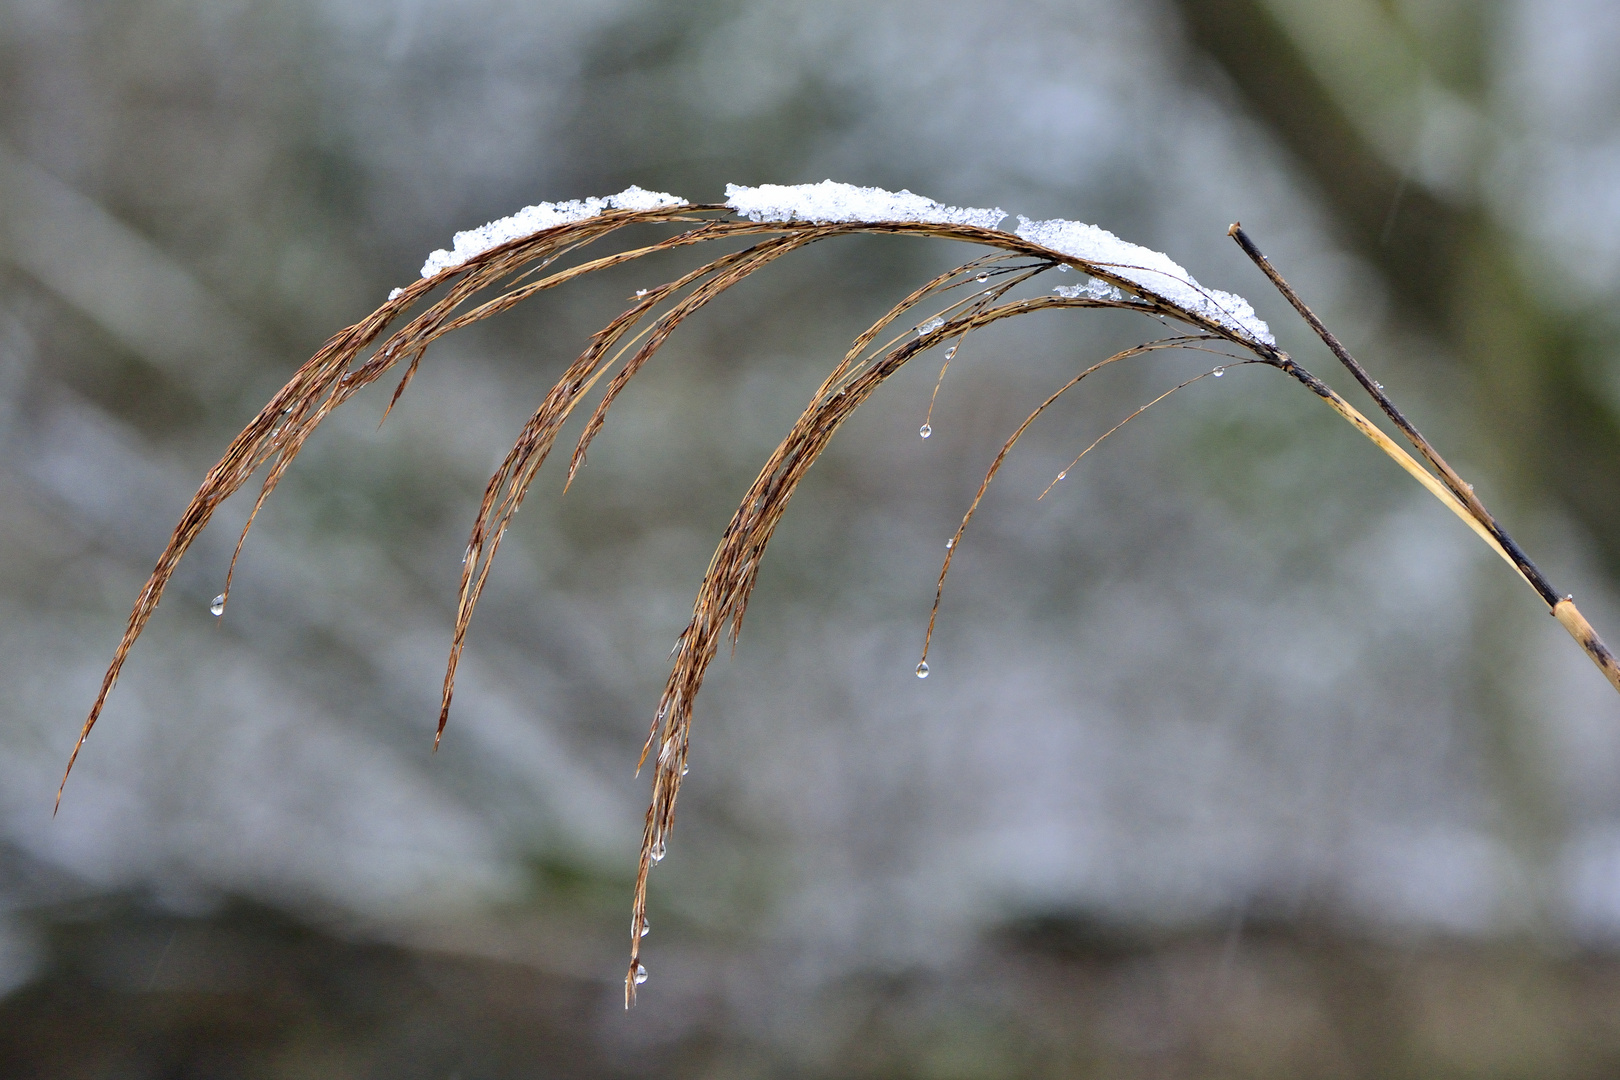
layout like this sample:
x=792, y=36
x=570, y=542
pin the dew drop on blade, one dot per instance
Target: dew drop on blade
x=641, y=974
x=1064, y=475
x=685, y=768
x=645, y=930
x=950, y=543
x=640, y=293
x=922, y=670
x=657, y=852
x=950, y=352
x=925, y=431
x=218, y=605
x=984, y=275
x=1218, y=372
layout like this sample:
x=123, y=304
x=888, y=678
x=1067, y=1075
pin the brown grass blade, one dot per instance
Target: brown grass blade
x=955, y=541
x=733, y=569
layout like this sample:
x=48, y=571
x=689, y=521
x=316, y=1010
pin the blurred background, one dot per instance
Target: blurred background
x=1240, y=756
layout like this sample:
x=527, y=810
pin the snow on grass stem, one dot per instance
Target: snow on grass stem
x=510, y=260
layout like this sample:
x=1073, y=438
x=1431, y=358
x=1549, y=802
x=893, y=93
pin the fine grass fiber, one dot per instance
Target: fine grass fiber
x=942, y=310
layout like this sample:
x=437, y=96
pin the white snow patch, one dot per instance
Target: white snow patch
x=830, y=201
x=1093, y=289
x=1154, y=271
x=531, y=219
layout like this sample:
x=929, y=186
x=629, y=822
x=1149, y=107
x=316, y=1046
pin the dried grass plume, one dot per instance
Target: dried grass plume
x=544, y=247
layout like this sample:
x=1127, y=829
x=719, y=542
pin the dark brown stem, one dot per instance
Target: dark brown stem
x=1562, y=607
x=1448, y=476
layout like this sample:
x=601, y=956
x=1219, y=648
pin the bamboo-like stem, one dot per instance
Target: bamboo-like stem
x=1449, y=488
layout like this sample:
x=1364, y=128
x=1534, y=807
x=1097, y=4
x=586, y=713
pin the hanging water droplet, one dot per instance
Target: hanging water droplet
x=657, y=852
x=1378, y=384
x=645, y=930
x=1218, y=372
x=686, y=767
x=950, y=543
x=217, y=607
x=922, y=670
x=1064, y=475
x=984, y=275
x=641, y=974
x=925, y=431
x=950, y=352
x=1063, y=269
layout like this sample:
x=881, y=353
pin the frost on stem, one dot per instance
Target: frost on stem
x=1155, y=271
x=1094, y=289
x=531, y=219
x=830, y=201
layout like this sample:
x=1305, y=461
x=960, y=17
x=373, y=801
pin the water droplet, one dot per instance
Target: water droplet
x=1218, y=372
x=218, y=605
x=645, y=930
x=926, y=328
x=641, y=974
x=640, y=293
x=925, y=431
x=922, y=670
x=1470, y=487
x=950, y=352
x=950, y=543
x=1064, y=475
x=657, y=852
x=685, y=768
x=984, y=275
x=1378, y=384
x=1063, y=269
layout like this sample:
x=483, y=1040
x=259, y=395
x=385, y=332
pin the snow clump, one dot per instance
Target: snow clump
x=1154, y=271
x=531, y=219
x=1094, y=289
x=832, y=202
